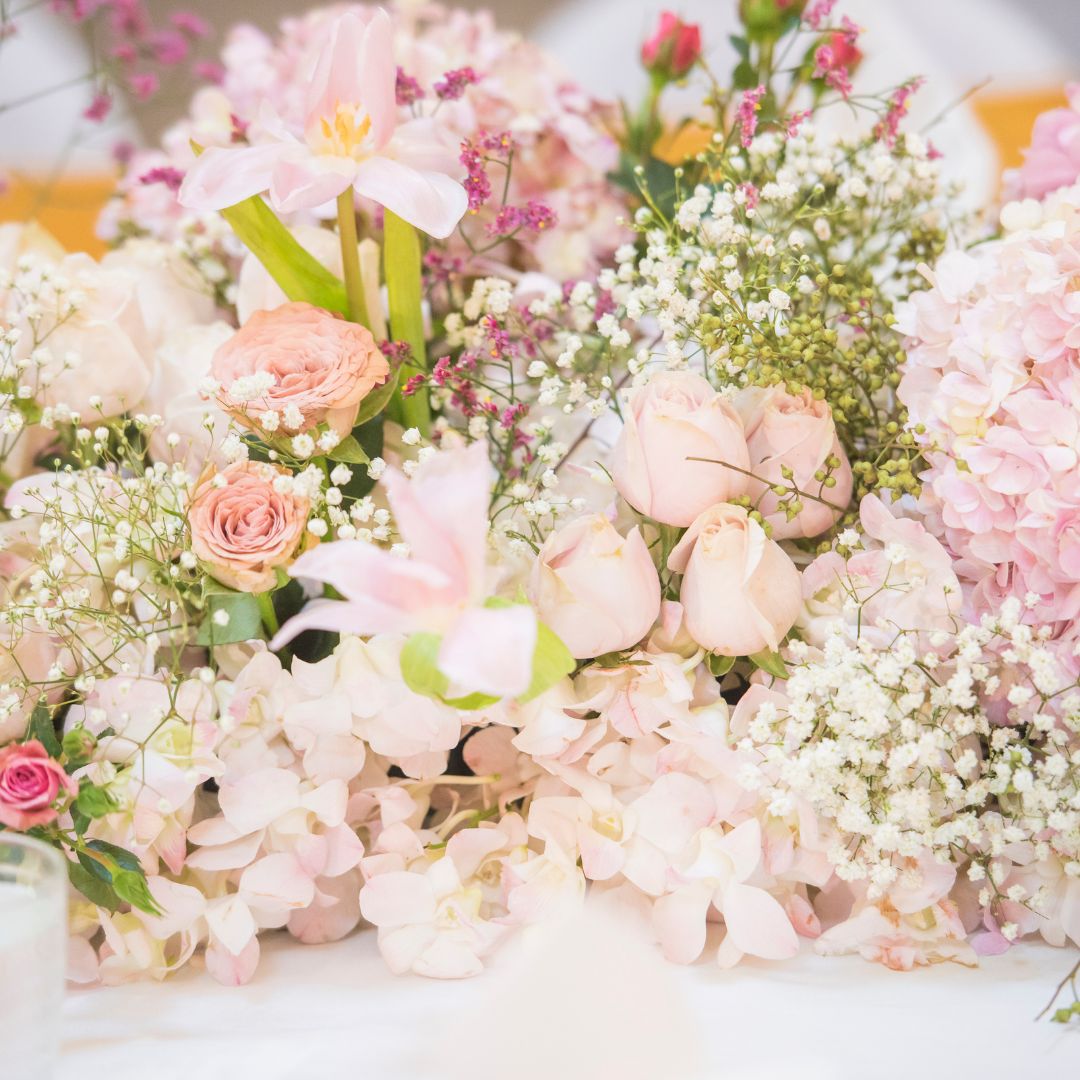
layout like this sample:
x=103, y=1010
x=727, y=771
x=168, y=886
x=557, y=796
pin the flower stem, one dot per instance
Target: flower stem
x=350, y=258
x=404, y=285
x=265, y=600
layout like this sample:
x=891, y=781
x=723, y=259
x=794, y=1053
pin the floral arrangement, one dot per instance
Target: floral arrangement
x=448, y=499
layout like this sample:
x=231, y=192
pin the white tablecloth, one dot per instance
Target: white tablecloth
x=334, y=1011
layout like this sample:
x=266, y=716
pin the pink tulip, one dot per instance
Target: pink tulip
x=674, y=417
x=442, y=515
x=599, y=592
x=351, y=138
x=740, y=591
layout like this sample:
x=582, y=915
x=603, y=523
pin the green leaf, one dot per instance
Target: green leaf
x=419, y=665
x=551, y=662
x=41, y=727
x=719, y=665
x=771, y=663
x=244, y=623
x=420, y=670
x=377, y=400
x=94, y=801
x=130, y=885
x=300, y=275
x=349, y=451
x=94, y=888
x=404, y=287
x=115, y=854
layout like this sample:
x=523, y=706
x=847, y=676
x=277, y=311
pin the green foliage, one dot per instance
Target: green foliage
x=300, y=275
x=42, y=728
x=769, y=662
x=349, y=451
x=244, y=619
x=108, y=875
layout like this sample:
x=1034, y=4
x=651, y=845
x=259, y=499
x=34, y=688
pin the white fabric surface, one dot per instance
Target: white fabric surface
x=334, y=1011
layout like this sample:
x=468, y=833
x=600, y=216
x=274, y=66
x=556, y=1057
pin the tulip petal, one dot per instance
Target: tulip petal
x=304, y=183
x=430, y=201
x=221, y=176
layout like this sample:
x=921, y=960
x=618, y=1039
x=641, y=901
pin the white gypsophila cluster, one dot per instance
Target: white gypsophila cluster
x=741, y=258
x=34, y=302
x=953, y=752
x=100, y=571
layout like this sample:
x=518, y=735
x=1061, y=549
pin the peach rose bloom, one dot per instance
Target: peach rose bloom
x=741, y=593
x=674, y=417
x=795, y=431
x=242, y=527
x=322, y=367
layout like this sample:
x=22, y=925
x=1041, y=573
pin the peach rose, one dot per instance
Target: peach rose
x=30, y=782
x=598, y=591
x=740, y=592
x=794, y=431
x=675, y=416
x=301, y=362
x=242, y=527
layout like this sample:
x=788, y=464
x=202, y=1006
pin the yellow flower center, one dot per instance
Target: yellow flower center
x=345, y=133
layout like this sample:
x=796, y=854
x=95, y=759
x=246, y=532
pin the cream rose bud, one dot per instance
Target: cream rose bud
x=797, y=432
x=740, y=592
x=675, y=416
x=301, y=362
x=244, y=528
x=597, y=590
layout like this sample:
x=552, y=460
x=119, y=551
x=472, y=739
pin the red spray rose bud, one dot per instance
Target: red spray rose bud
x=673, y=49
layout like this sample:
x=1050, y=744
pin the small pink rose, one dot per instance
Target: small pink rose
x=740, y=592
x=30, y=782
x=676, y=417
x=596, y=589
x=795, y=432
x=302, y=363
x=242, y=526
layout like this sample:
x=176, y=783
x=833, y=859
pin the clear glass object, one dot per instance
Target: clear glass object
x=33, y=947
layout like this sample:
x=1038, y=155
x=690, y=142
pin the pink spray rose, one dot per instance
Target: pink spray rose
x=674, y=47
x=740, y=591
x=30, y=782
x=302, y=363
x=794, y=431
x=598, y=591
x=675, y=416
x=242, y=527
x=1053, y=159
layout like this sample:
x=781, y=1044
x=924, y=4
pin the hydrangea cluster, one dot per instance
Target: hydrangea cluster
x=990, y=381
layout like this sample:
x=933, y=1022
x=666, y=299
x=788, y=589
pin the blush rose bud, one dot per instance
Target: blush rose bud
x=673, y=49
x=675, y=417
x=741, y=593
x=598, y=591
x=792, y=441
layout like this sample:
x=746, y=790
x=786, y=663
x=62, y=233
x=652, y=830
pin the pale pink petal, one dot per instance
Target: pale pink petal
x=442, y=513
x=328, y=801
x=490, y=650
x=304, y=183
x=673, y=810
x=230, y=856
x=231, y=924
x=601, y=857
x=377, y=74
x=757, y=924
x=214, y=831
x=679, y=922
x=448, y=959
x=233, y=970
x=181, y=905
x=344, y=850
x=335, y=913
x=397, y=898
x=430, y=201
x=254, y=801
x=401, y=946
x=743, y=847
x=421, y=143
x=221, y=177
x=277, y=881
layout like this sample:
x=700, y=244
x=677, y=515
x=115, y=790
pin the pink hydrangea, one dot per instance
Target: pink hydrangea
x=1052, y=160
x=993, y=375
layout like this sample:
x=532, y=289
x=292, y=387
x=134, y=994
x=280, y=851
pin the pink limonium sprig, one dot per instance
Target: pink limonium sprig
x=746, y=115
